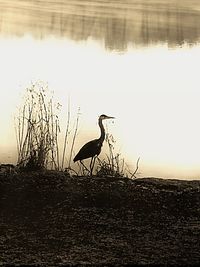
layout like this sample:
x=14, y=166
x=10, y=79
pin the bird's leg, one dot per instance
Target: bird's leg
x=84, y=167
x=92, y=164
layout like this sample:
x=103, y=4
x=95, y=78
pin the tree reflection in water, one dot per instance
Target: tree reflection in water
x=118, y=23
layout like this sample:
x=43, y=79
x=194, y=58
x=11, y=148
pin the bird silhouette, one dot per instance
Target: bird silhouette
x=93, y=148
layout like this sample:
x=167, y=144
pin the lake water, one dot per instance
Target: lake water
x=132, y=59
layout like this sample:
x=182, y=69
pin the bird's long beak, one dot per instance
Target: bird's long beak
x=109, y=117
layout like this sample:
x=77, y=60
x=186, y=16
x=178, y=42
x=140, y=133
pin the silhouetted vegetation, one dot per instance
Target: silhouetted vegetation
x=37, y=130
x=38, y=145
x=112, y=165
x=68, y=169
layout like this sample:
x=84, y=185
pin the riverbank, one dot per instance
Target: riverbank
x=49, y=219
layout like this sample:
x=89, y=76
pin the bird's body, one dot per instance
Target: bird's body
x=93, y=148
x=89, y=150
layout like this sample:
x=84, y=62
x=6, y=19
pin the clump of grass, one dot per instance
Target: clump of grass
x=37, y=128
x=114, y=165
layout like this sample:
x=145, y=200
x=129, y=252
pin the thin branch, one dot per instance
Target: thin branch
x=137, y=166
x=66, y=135
x=74, y=138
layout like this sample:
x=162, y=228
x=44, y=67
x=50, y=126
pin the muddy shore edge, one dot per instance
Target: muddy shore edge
x=50, y=219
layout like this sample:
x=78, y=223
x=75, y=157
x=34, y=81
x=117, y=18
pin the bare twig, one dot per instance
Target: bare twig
x=66, y=135
x=74, y=138
x=137, y=167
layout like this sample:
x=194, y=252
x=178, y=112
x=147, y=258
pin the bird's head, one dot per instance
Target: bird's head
x=104, y=117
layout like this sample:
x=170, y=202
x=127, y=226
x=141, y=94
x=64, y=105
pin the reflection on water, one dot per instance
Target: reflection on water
x=118, y=23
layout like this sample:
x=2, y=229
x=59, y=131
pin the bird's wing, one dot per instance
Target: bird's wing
x=89, y=150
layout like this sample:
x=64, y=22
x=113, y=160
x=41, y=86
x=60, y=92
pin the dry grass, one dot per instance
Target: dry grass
x=37, y=129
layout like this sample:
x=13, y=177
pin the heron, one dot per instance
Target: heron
x=93, y=148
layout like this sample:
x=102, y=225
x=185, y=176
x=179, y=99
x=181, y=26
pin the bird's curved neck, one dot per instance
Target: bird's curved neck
x=102, y=136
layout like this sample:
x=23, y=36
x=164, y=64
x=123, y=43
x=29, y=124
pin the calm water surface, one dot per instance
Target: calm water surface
x=116, y=23
x=133, y=59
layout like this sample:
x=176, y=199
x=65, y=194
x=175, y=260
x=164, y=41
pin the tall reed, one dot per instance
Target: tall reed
x=37, y=129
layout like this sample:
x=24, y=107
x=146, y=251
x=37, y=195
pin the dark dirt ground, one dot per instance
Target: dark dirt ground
x=49, y=219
